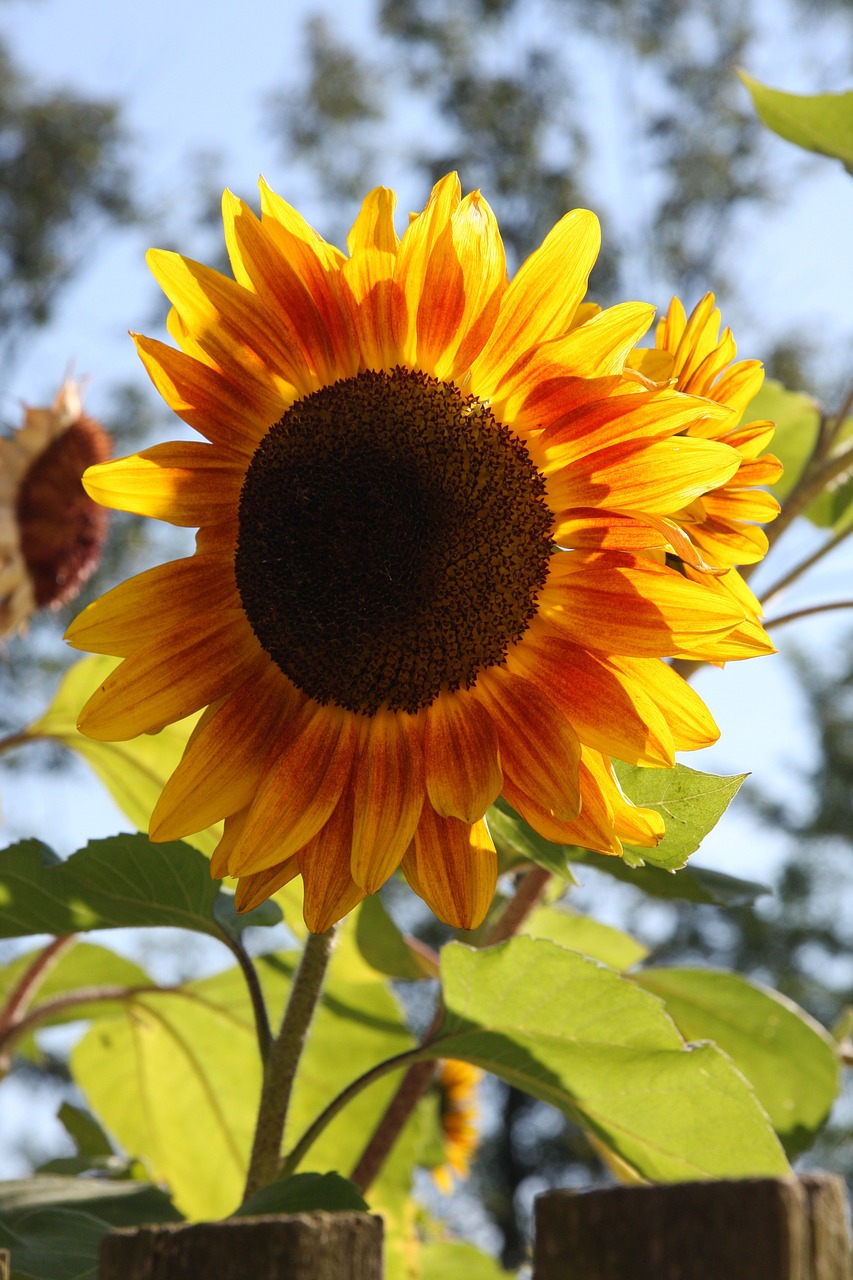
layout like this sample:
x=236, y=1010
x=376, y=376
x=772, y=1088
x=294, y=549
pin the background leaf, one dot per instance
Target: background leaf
x=821, y=122
x=383, y=946
x=451, y=1261
x=690, y=884
x=569, y=1032
x=788, y=1058
x=797, y=418
x=133, y=772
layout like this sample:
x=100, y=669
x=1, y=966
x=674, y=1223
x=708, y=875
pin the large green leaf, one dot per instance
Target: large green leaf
x=821, y=122
x=790, y=1061
x=570, y=1032
x=691, y=804
x=176, y=1079
x=121, y=881
x=133, y=772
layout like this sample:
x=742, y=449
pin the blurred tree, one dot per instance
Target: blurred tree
x=631, y=107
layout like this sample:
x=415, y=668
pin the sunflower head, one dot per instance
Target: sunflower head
x=51, y=532
x=457, y=1084
x=429, y=500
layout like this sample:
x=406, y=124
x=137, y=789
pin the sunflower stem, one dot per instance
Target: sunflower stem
x=529, y=890
x=283, y=1059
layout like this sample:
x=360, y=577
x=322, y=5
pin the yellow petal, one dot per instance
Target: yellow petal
x=184, y=483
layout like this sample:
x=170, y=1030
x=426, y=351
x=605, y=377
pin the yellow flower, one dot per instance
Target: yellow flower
x=723, y=524
x=459, y=1115
x=419, y=579
x=51, y=533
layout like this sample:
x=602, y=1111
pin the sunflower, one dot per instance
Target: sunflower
x=724, y=524
x=422, y=500
x=51, y=533
x=457, y=1083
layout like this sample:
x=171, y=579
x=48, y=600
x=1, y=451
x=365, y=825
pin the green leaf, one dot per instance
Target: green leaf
x=85, y=1132
x=691, y=804
x=789, y=1059
x=133, y=772
x=121, y=881
x=821, y=122
x=121, y=1204
x=570, y=1032
x=516, y=842
x=176, y=1079
x=691, y=884
x=304, y=1193
x=451, y=1261
x=382, y=944
x=589, y=937
x=54, y=1226
x=797, y=418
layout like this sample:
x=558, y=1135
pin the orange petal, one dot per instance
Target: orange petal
x=185, y=483
x=690, y=722
x=463, y=774
x=255, y=889
x=135, y=612
x=236, y=417
x=609, y=711
x=233, y=328
x=388, y=788
x=630, y=605
x=182, y=669
x=231, y=831
x=300, y=790
x=330, y=891
x=453, y=867
x=539, y=748
x=225, y=757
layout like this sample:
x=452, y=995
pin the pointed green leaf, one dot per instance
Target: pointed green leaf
x=789, y=1059
x=516, y=842
x=304, y=1193
x=121, y=1204
x=691, y=804
x=382, y=944
x=570, y=1032
x=84, y=1131
x=821, y=122
x=133, y=772
x=121, y=881
x=585, y=935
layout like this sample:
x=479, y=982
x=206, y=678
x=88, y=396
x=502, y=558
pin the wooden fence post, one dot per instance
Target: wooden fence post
x=299, y=1246
x=757, y=1229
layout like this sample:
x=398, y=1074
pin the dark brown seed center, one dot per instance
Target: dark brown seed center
x=393, y=538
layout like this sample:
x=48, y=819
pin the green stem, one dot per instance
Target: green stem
x=256, y=995
x=283, y=1060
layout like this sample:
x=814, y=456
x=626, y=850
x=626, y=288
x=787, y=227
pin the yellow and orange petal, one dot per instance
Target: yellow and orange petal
x=428, y=502
x=52, y=533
